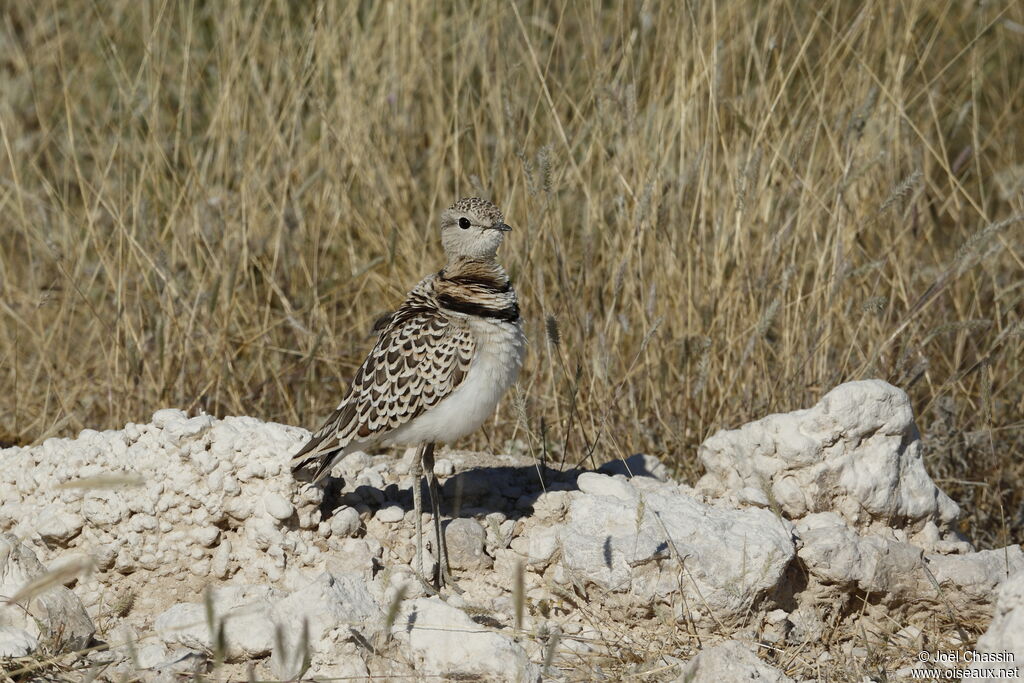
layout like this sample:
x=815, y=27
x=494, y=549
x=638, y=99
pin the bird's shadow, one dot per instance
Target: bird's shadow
x=477, y=492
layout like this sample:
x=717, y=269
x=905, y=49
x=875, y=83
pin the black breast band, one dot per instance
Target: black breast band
x=508, y=314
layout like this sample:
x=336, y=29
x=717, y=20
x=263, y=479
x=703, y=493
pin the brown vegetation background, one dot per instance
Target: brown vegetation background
x=721, y=209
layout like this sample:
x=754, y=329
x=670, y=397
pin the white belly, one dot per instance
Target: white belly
x=501, y=347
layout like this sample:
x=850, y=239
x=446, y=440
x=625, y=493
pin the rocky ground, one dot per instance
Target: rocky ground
x=816, y=547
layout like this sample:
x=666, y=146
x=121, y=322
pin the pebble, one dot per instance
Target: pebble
x=354, y=463
x=58, y=526
x=162, y=418
x=390, y=514
x=221, y=560
x=603, y=485
x=465, y=538
x=345, y=522
x=276, y=506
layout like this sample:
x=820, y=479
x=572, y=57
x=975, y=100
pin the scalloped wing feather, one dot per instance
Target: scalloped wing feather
x=420, y=357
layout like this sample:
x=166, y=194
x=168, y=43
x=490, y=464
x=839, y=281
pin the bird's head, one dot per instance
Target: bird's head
x=472, y=228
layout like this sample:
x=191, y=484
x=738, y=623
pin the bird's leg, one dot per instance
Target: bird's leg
x=417, y=503
x=435, y=509
x=443, y=576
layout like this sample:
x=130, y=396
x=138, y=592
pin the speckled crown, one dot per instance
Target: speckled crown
x=480, y=207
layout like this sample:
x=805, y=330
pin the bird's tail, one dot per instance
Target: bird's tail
x=323, y=448
x=323, y=460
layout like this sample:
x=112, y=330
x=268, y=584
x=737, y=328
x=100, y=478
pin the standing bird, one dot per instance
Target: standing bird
x=440, y=364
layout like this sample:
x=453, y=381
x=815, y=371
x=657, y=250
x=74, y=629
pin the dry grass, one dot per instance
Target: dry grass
x=727, y=208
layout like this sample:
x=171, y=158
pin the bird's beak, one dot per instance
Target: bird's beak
x=502, y=227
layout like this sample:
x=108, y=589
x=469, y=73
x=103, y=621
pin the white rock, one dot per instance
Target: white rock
x=444, y=467
x=805, y=623
x=311, y=495
x=345, y=522
x=446, y=642
x=353, y=555
x=221, y=561
x=185, y=624
x=242, y=611
x=732, y=557
x=538, y=545
x=167, y=416
x=122, y=638
x=857, y=453
x=465, y=539
x=141, y=653
x=730, y=661
x=603, y=485
x=132, y=432
x=277, y=506
x=775, y=627
x=238, y=507
x=834, y=552
x=909, y=636
x=206, y=536
x=179, y=431
x=200, y=567
x=125, y=563
x=1004, y=638
x=331, y=601
x=15, y=642
x=354, y=463
x=231, y=486
x=150, y=655
x=970, y=582
x=56, y=525
x=753, y=497
x=263, y=533
x=205, y=462
x=54, y=614
x=104, y=508
x=181, y=661
x=390, y=514
x=215, y=493
x=896, y=572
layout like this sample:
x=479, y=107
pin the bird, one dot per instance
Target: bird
x=440, y=365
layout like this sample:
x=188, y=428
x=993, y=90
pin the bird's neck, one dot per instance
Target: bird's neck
x=477, y=288
x=476, y=269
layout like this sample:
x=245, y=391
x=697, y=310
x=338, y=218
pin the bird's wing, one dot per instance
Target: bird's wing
x=420, y=357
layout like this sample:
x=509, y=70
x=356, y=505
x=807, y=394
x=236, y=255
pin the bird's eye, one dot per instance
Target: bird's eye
x=463, y=222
